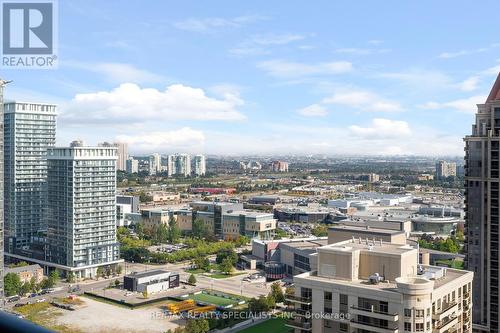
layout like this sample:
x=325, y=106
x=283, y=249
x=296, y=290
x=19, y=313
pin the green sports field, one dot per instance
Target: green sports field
x=212, y=299
x=275, y=325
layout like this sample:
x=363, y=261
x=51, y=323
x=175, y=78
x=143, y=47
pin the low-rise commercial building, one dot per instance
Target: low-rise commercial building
x=363, y=286
x=26, y=273
x=151, y=282
x=127, y=210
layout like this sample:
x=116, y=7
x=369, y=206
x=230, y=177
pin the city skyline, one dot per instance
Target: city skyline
x=270, y=80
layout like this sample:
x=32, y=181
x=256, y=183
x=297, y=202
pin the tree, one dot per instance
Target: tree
x=35, y=287
x=226, y=266
x=271, y=301
x=162, y=235
x=12, y=284
x=119, y=269
x=99, y=272
x=202, y=263
x=174, y=232
x=229, y=253
x=117, y=283
x=320, y=231
x=53, y=278
x=277, y=292
x=192, y=279
x=71, y=277
x=145, y=294
x=197, y=326
x=25, y=288
x=289, y=291
x=199, y=229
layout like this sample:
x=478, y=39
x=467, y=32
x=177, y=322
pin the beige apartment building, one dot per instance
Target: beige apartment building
x=362, y=286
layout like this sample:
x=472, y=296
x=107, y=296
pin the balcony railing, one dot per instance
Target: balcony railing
x=306, y=326
x=385, y=327
x=299, y=299
x=375, y=313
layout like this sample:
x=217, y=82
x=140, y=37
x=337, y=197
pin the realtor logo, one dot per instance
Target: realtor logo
x=29, y=34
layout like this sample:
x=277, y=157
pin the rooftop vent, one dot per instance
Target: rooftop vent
x=375, y=278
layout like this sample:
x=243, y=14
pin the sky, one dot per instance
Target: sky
x=269, y=77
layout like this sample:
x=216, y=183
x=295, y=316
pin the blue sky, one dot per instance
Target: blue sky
x=281, y=77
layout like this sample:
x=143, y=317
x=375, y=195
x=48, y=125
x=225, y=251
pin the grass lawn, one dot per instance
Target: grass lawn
x=44, y=314
x=458, y=264
x=223, y=276
x=275, y=325
x=212, y=299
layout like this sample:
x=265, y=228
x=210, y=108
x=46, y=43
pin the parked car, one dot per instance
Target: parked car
x=40, y=300
x=13, y=299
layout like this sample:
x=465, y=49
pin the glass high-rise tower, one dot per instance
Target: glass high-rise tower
x=81, y=217
x=482, y=202
x=29, y=129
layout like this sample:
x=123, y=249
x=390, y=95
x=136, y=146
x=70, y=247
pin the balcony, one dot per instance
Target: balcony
x=372, y=327
x=294, y=323
x=447, y=310
x=298, y=299
x=374, y=313
x=445, y=325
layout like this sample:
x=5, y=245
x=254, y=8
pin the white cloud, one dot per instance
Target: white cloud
x=464, y=105
x=287, y=69
x=184, y=138
x=210, y=24
x=363, y=100
x=117, y=72
x=259, y=44
x=469, y=84
x=130, y=103
x=375, y=41
x=361, y=51
x=314, y=110
x=449, y=55
x=421, y=78
x=382, y=128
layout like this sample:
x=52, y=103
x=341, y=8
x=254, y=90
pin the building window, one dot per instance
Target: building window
x=428, y=325
x=419, y=313
x=328, y=296
x=343, y=303
x=407, y=312
x=343, y=327
x=419, y=327
x=407, y=327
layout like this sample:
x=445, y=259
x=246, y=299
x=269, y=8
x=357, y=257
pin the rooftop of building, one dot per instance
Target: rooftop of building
x=365, y=244
x=249, y=213
x=365, y=229
x=22, y=269
x=148, y=273
x=439, y=276
x=391, y=286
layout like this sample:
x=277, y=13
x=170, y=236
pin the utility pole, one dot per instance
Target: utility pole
x=3, y=83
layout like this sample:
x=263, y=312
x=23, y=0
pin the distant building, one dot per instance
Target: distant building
x=228, y=220
x=279, y=166
x=29, y=130
x=132, y=165
x=26, y=273
x=122, y=150
x=425, y=177
x=445, y=169
x=179, y=164
x=154, y=164
x=77, y=143
x=371, y=178
x=127, y=210
x=200, y=167
x=81, y=233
